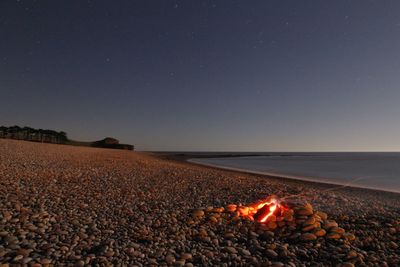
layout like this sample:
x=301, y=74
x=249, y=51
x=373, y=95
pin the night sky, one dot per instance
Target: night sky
x=206, y=75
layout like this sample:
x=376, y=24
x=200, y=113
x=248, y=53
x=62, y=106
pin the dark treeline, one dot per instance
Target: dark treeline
x=31, y=134
x=54, y=137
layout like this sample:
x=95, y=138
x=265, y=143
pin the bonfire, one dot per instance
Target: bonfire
x=293, y=219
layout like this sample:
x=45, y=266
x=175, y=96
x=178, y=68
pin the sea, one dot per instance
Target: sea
x=374, y=170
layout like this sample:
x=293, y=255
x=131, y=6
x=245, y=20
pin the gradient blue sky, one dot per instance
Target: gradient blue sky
x=206, y=75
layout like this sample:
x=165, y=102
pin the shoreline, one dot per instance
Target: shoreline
x=382, y=196
x=291, y=177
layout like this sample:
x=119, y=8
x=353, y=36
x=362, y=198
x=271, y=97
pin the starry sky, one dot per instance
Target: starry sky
x=206, y=75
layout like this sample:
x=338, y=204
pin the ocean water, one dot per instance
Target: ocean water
x=368, y=170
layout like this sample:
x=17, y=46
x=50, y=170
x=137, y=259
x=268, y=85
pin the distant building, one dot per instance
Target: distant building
x=109, y=142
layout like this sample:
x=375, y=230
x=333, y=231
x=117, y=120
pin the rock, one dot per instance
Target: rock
x=209, y=254
x=109, y=253
x=203, y=233
x=180, y=263
x=213, y=219
x=229, y=235
x=3, y=233
x=198, y=213
x=218, y=210
x=333, y=235
x=231, y=250
x=337, y=230
x=306, y=210
x=18, y=258
x=349, y=236
x=231, y=207
x=267, y=235
x=244, y=211
x=80, y=263
x=272, y=225
x=288, y=215
x=170, y=259
x=329, y=224
x=245, y=252
x=308, y=237
x=311, y=227
x=45, y=261
x=322, y=215
x=393, y=245
x=271, y=253
x=186, y=256
x=352, y=254
x=209, y=209
x=27, y=260
x=309, y=221
x=24, y=252
x=295, y=236
x=319, y=232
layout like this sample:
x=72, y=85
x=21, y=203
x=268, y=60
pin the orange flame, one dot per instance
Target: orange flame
x=263, y=210
x=273, y=205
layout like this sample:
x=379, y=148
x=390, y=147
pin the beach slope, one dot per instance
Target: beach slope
x=87, y=206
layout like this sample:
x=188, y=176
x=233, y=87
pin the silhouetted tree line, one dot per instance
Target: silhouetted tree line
x=36, y=135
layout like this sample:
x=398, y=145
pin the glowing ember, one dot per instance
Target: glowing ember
x=271, y=208
x=263, y=210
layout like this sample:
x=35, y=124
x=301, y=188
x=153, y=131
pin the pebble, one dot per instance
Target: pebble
x=231, y=207
x=349, y=236
x=329, y=224
x=271, y=253
x=170, y=259
x=245, y=252
x=93, y=207
x=337, y=230
x=198, y=213
x=45, y=261
x=180, y=263
x=319, y=232
x=352, y=254
x=18, y=258
x=231, y=250
x=333, y=235
x=322, y=215
x=186, y=256
x=277, y=264
x=308, y=237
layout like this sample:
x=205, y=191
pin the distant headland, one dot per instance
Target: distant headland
x=54, y=137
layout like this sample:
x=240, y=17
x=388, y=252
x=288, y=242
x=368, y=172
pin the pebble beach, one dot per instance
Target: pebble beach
x=78, y=206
